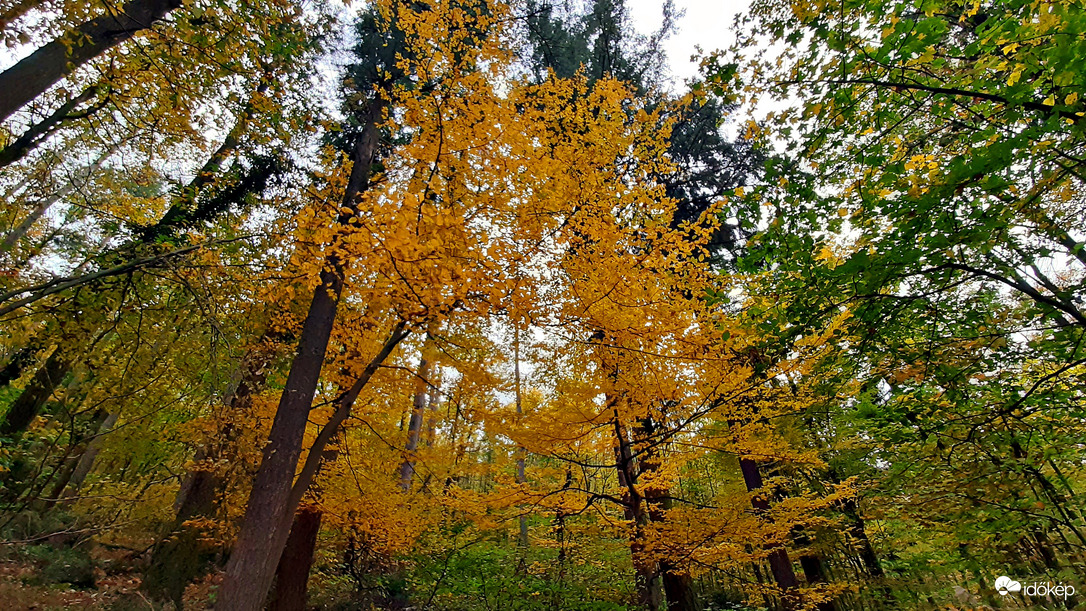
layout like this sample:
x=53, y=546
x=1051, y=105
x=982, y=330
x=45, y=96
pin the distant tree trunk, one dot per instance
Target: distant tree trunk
x=79, y=464
x=28, y=404
x=292, y=574
x=522, y=478
x=35, y=74
x=264, y=531
x=43, y=206
x=176, y=559
x=418, y=409
x=779, y=563
x=814, y=571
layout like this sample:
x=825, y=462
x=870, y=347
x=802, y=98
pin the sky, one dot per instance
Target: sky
x=706, y=23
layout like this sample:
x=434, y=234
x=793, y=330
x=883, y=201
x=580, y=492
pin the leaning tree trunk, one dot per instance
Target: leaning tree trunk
x=35, y=74
x=252, y=564
x=28, y=404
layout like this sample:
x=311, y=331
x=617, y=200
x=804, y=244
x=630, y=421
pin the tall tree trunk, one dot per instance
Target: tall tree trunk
x=649, y=594
x=28, y=404
x=292, y=574
x=251, y=568
x=418, y=409
x=522, y=478
x=779, y=563
x=677, y=582
x=35, y=74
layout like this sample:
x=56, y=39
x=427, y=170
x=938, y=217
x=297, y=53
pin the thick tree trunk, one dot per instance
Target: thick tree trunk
x=779, y=563
x=34, y=75
x=28, y=404
x=292, y=574
x=418, y=408
x=251, y=568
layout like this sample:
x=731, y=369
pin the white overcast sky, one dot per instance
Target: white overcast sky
x=707, y=23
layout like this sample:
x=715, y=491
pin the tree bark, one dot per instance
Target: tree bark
x=34, y=75
x=649, y=594
x=292, y=574
x=252, y=564
x=779, y=563
x=26, y=407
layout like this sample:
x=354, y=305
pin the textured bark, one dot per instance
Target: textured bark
x=35, y=74
x=28, y=404
x=252, y=564
x=292, y=574
x=779, y=563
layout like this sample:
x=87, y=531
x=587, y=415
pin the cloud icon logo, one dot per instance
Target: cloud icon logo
x=1005, y=584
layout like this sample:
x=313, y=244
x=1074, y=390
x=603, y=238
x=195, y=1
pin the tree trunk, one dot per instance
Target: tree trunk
x=251, y=568
x=34, y=75
x=176, y=559
x=649, y=594
x=779, y=563
x=678, y=585
x=418, y=408
x=814, y=571
x=26, y=407
x=292, y=574
x=79, y=464
x=522, y=478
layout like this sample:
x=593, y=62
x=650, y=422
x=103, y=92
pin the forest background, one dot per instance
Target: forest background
x=466, y=304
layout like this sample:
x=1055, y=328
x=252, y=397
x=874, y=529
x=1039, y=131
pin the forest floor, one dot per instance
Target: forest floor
x=24, y=586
